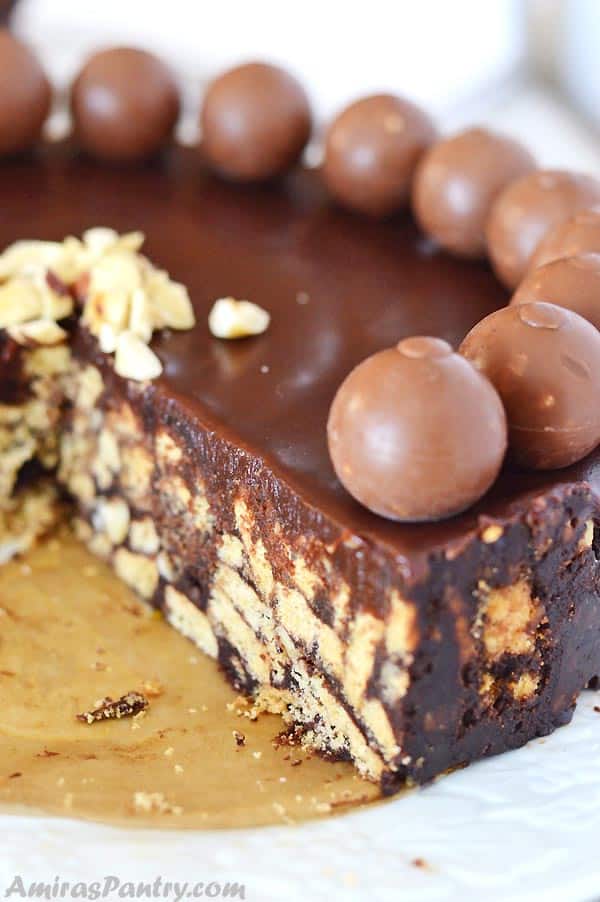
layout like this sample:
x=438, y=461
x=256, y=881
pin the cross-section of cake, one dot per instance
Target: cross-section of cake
x=199, y=468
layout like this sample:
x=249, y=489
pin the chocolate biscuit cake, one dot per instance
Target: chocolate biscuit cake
x=199, y=467
x=410, y=649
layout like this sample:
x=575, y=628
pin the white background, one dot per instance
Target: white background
x=439, y=53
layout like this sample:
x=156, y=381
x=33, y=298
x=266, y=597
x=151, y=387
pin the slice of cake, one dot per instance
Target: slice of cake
x=199, y=466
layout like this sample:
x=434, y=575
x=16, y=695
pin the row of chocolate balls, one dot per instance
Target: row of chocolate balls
x=477, y=192
x=418, y=432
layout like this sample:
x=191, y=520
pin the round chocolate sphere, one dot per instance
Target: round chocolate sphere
x=456, y=182
x=571, y=282
x=525, y=211
x=255, y=122
x=25, y=96
x=125, y=104
x=578, y=235
x=415, y=432
x=371, y=151
x=545, y=363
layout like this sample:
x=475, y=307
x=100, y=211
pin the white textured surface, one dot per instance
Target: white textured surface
x=522, y=826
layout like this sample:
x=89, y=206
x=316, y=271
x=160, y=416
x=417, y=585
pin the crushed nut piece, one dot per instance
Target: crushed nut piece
x=240, y=739
x=19, y=302
x=37, y=332
x=237, y=319
x=106, y=709
x=169, y=302
x=134, y=359
x=123, y=297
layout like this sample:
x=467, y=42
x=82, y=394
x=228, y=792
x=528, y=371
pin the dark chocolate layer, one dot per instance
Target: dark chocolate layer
x=338, y=286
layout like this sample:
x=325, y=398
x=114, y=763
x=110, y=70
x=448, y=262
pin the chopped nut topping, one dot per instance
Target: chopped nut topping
x=237, y=319
x=123, y=296
x=106, y=709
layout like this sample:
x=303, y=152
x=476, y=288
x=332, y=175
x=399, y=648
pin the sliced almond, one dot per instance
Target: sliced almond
x=132, y=241
x=29, y=255
x=135, y=360
x=113, y=280
x=38, y=332
x=107, y=338
x=73, y=261
x=170, y=302
x=99, y=240
x=237, y=319
x=55, y=306
x=140, y=315
x=20, y=301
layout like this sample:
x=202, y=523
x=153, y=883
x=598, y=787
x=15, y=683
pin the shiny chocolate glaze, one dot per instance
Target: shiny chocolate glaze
x=338, y=286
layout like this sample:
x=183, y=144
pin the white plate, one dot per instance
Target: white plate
x=522, y=826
